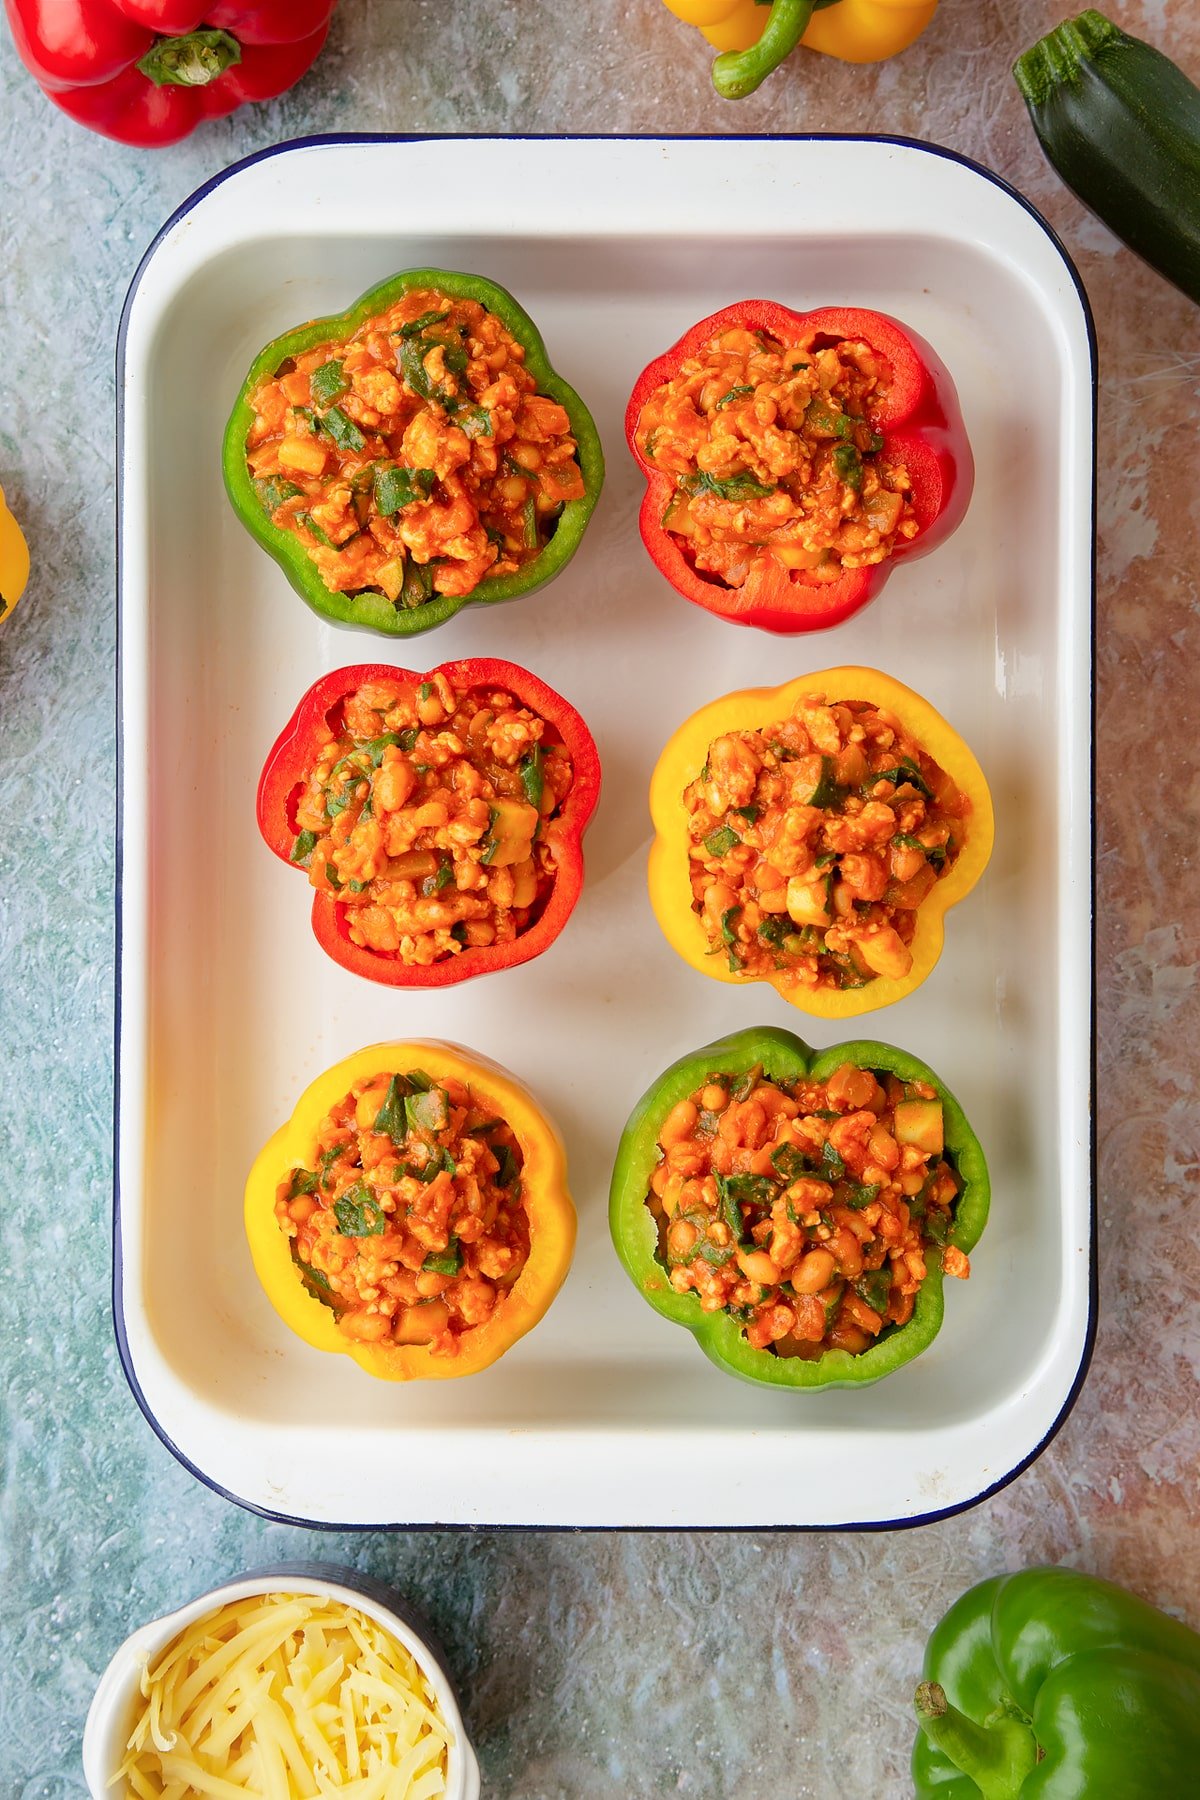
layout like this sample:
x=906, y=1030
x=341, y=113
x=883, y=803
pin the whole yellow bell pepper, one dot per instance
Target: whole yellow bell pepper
x=548, y=1208
x=14, y=560
x=750, y=710
x=852, y=30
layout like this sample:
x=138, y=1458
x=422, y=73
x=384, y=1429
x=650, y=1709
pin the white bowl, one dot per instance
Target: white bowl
x=106, y=1731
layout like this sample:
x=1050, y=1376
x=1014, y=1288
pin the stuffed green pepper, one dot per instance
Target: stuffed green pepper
x=797, y=1210
x=413, y=455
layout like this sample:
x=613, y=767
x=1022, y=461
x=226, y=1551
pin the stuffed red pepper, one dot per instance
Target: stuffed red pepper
x=439, y=817
x=792, y=459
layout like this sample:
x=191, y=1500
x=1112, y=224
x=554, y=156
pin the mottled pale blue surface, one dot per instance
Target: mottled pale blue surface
x=761, y=1668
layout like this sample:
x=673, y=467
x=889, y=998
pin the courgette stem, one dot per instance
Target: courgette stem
x=1059, y=56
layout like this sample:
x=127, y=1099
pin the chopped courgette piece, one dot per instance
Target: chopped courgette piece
x=428, y=1112
x=919, y=1123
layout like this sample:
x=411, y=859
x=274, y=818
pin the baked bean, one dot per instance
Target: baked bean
x=678, y=1123
x=813, y=1272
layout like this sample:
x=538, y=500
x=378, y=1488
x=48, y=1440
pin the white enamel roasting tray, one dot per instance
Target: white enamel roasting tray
x=605, y=1415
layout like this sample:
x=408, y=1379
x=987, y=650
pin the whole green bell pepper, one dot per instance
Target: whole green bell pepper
x=784, y=1058
x=370, y=607
x=1052, y=1685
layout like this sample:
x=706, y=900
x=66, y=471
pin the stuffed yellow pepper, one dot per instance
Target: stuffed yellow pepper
x=814, y=835
x=413, y=1213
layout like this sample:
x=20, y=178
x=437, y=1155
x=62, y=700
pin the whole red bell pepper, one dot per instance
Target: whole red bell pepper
x=295, y=752
x=147, y=72
x=917, y=421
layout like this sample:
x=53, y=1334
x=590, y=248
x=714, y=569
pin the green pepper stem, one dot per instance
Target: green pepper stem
x=997, y=1756
x=1058, y=58
x=738, y=72
x=190, y=61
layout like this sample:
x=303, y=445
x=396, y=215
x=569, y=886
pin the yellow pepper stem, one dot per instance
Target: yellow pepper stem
x=738, y=72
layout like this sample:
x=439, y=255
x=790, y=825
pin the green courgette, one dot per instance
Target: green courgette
x=1121, y=124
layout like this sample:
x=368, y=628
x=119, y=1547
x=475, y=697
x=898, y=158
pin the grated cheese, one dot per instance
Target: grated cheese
x=284, y=1697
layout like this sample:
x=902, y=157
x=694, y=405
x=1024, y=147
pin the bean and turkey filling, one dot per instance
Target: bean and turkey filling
x=410, y=1223
x=429, y=814
x=416, y=457
x=806, y=1210
x=814, y=840
x=775, y=457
